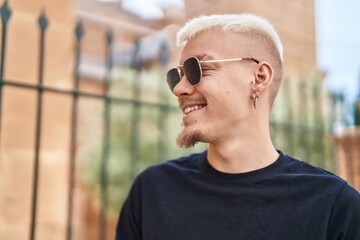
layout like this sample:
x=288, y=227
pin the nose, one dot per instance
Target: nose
x=184, y=87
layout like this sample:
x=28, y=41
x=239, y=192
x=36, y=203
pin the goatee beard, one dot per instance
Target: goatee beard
x=187, y=140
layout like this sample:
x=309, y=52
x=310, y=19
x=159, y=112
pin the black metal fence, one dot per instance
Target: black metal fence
x=291, y=132
x=106, y=99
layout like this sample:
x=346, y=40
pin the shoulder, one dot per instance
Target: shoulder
x=311, y=178
x=345, y=214
x=165, y=177
x=296, y=167
x=182, y=164
x=348, y=196
x=349, y=192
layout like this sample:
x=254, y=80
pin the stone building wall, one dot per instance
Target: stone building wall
x=348, y=155
x=19, y=120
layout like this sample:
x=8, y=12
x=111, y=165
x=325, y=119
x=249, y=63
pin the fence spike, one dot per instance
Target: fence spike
x=109, y=36
x=79, y=30
x=43, y=22
x=5, y=12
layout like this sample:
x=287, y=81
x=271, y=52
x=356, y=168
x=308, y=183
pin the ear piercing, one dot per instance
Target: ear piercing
x=255, y=96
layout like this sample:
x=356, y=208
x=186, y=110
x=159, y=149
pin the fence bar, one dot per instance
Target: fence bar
x=19, y=84
x=43, y=25
x=74, y=118
x=290, y=128
x=5, y=15
x=349, y=158
x=106, y=142
x=85, y=94
x=163, y=116
x=135, y=116
x=304, y=119
x=164, y=98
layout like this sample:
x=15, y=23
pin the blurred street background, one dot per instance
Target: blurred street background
x=84, y=104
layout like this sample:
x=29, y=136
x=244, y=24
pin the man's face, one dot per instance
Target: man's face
x=219, y=107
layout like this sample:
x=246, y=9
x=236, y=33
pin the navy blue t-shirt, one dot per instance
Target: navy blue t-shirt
x=187, y=199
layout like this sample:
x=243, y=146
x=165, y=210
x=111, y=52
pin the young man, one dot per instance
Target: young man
x=241, y=187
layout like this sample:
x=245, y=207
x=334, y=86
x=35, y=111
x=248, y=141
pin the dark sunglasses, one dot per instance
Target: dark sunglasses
x=192, y=70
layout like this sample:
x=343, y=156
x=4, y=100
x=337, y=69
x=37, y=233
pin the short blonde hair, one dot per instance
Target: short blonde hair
x=247, y=24
x=235, y=22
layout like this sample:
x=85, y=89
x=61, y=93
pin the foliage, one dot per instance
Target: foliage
x=300, y=121
x=142, y=133
x=144, y=127
x=357, y=113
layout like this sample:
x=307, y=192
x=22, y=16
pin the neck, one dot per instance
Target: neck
x=243, y=152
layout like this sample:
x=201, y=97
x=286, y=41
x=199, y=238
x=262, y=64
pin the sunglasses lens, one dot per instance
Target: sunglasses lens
x=173, y=78
x=192, y=70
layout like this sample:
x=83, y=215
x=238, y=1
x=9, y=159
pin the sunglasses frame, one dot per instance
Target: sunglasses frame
x=181, y=72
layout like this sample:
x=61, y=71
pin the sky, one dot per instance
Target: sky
x=338, y=45
x=150, y=9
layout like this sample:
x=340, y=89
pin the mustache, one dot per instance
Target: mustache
x=186, y=101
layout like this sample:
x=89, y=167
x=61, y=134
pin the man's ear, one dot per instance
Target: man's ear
x=263, y=76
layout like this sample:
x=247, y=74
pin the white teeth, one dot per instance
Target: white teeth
x=192, y=108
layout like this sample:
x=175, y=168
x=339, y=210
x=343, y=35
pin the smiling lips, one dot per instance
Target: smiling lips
x=192, y=108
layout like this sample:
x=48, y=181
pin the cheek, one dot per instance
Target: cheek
x=235, y=94
x=234, y=99
x=225, y=102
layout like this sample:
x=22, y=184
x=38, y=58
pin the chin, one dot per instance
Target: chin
x=187, y=139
